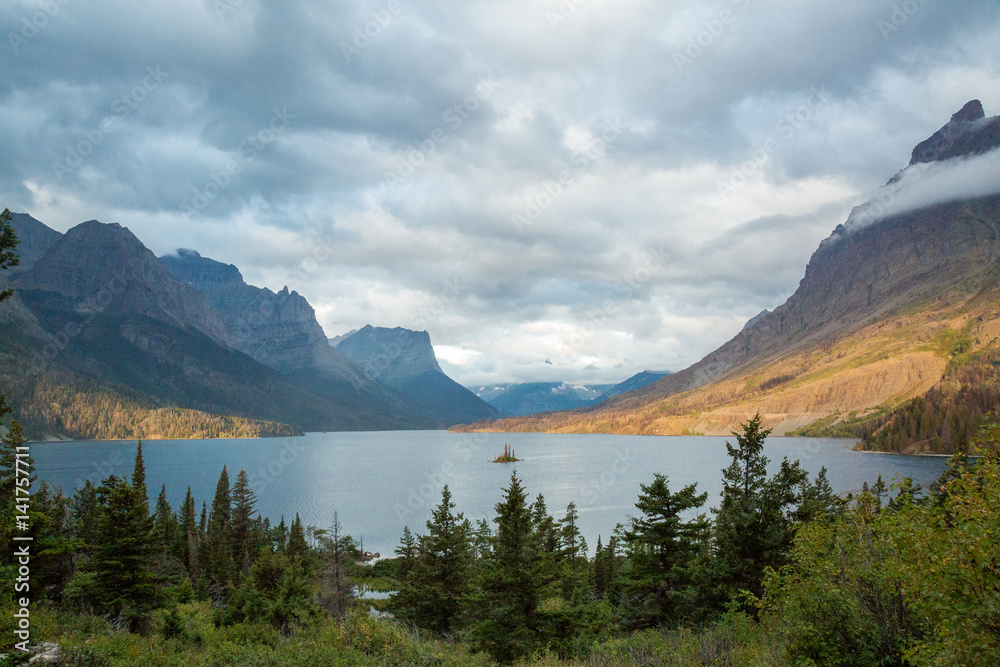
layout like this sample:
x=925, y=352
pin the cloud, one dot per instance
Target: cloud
x=266, y=144
x=926, y=184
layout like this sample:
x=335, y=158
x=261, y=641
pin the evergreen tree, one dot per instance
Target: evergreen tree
x=86, y=512
x=139, y=475
x=664, y=548
x=219, y=537
x=438, y=581
x=752, y=529
x=280, y=535
x=506, y=600
x=338, y=553
x=244, y=502
x=164, y=523
x=297, y=546
x=11, y=502
x=818, y=502
x=124, y=584
x=8, y=242
x=407, y=554
x=188, y=536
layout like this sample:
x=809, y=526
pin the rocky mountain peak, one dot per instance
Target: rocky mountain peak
x=105, y=267
x=391, y=355
x=969, y=132
x=191, y=267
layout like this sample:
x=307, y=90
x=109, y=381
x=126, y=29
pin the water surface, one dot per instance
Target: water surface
x=378, y=483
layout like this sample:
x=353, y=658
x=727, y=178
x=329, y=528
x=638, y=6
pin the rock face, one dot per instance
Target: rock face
x=968, y=133
x=394, y=356
x=277, y=329
x=404, y=360
x=34, y=240
x=280, y=330
x=104, y=267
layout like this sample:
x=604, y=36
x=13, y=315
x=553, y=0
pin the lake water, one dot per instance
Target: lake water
x=380, y=482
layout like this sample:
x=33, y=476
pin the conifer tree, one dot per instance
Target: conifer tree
x=438, y=580
x=122, y=559
x=139, y=475
x=280, y=535
x=752, y=529
x=244, y=502
x=8, y=256
x=164, y=523
x=506, y=600
x=85, y=512
x=188, y=536
x=664, y=547
x=297, y=546
x=407, y=553
x=219, y=536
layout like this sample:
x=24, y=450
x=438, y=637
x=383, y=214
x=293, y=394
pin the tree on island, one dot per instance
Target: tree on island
x=507, y=456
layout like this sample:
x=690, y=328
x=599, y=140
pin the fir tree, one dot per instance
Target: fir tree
x=664, y=548
x=8, y=242
x=506, y=600
x=439, y=579
x=139, y=475
x=297, y=546
x=164, y=523
x=244, y=502
x=752, y=529
x=124, y=584
x=219, y=536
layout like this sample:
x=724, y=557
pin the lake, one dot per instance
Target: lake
x=380, y=482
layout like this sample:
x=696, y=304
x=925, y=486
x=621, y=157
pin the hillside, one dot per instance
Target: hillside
x=873, y=323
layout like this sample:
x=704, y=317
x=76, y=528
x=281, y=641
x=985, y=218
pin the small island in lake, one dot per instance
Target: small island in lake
x=507, y=456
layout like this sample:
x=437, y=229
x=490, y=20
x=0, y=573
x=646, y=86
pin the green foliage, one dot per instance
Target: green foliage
x=8, y=254
x=753, y=524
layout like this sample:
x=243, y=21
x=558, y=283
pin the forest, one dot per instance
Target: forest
x=783, y=571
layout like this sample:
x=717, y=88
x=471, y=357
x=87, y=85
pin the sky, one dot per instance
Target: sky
x=557, y=191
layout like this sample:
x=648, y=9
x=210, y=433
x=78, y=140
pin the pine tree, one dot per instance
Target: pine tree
x=438, y=581
x=244, y=502
x=86, y=512
x=506, y=600
x=280, y=535
x=139, y=475
x=13, y=456
x=664, y=548
x=752, y=529
x=297, y=546
x=164, y=523
x=124, y=584
x=407, y=555
x=219, y=536
x=188, y=536
x=8, y=256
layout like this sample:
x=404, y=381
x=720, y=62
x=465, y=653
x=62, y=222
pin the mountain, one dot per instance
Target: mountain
x=100, y=340
x=280, y=330
x=405, y=360
x=528, y=398
x=637, y=381
x=890, y=304
x=34, y=240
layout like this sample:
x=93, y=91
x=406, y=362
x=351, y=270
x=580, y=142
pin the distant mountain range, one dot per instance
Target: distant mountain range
x=896, y=306
x=104, y=340
x=528, y=398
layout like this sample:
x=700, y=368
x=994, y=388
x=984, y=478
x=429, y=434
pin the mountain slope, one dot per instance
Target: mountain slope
x=99, y=321
x=34, y=240
x=868, y=327
x=405, y=360
x=280, y=330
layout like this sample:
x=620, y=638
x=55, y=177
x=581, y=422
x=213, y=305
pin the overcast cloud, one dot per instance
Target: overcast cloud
x=609, y=185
